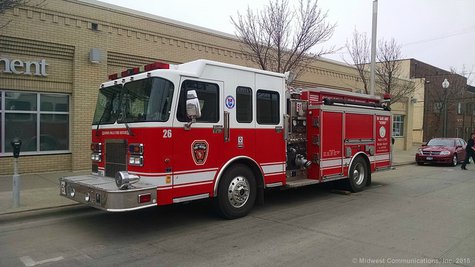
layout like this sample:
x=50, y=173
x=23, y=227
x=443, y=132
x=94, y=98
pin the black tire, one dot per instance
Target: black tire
x=420, y=163
x=358, y=175
x=455, y=160
x=236, y=192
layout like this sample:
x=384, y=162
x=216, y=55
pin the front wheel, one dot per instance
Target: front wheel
x=455, y=160
x=236, y=192
x=358, y=175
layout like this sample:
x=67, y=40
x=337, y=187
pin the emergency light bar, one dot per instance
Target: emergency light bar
x=149, y=67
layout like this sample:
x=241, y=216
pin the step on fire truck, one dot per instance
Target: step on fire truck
x=205, y=129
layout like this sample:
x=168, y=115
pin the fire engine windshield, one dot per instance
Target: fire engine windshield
x=137, y=101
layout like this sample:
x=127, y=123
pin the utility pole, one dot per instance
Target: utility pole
x=373, y=45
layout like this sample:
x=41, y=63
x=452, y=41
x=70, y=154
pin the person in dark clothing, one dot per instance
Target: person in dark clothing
x=470, y=151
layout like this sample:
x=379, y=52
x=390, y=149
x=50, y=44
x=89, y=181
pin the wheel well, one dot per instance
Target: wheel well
x=252, y=165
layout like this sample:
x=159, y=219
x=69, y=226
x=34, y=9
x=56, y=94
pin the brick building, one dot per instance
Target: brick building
x=55, y=53
x=446, y=111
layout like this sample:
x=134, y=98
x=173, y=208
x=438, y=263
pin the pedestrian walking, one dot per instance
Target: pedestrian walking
x=470, y=149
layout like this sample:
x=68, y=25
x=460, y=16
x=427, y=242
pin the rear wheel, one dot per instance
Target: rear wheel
x=236, y=192
x=358, y=175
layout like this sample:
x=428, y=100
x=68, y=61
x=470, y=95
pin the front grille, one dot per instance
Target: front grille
x=430, y=153
x=116, y=157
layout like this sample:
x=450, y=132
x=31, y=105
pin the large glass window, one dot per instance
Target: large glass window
x=243, y=104
x=40, y=120
x=142, y=100
x=268, y=107
x=398, y=125
x=208, y=95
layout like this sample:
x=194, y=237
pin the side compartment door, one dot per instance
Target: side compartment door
x=198, y=148
x=332, y=129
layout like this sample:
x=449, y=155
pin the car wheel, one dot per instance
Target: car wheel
x=455, y=160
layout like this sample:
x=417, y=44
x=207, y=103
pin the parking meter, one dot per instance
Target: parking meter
x=16, y=145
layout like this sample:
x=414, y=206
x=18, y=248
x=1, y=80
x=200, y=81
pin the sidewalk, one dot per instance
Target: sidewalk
x=40, y=191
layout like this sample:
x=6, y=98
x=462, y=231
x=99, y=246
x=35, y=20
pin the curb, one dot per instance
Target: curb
x=404, y=163
x=19, y=215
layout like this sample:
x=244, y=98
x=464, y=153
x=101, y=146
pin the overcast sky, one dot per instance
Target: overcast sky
x=438, y=32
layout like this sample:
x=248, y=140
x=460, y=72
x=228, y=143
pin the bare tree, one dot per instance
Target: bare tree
x=388, y=67
x=280, y=39
x=358, y=48
x=9, y=4
x=388, y=71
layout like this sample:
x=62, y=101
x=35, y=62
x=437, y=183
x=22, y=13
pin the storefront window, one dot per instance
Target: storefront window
x=398, y=125
x=40, y=120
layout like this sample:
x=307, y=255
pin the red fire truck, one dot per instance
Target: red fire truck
x=205, y=129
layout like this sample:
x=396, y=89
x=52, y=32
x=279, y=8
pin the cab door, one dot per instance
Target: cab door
x=270, y=143
x=197, y=146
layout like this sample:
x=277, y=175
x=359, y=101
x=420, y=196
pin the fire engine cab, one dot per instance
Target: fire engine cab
x=205, y=129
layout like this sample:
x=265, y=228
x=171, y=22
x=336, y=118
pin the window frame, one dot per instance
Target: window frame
x=277, y=112
x=37, y=115
x=398, y=124
x=181, y=107
x=250, y=105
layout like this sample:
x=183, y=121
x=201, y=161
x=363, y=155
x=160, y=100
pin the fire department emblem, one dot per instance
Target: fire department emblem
x=199, y=151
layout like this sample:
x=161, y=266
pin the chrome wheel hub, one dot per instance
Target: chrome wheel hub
x=358, y=174
x=238, y=192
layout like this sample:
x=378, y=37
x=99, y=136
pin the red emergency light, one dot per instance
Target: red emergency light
x=132, y=71
x=113, y=76
x=156, y=65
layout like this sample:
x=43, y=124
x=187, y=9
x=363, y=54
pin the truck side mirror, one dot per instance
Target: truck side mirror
x=193, y=108
x=16, y=145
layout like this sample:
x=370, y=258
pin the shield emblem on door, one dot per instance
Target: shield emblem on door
x=199, y=151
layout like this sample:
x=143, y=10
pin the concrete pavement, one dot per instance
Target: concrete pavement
x=40, y=191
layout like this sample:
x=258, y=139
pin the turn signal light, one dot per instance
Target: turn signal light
x=136, y=149
x=96, y=147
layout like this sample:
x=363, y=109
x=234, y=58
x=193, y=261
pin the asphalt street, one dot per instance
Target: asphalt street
x=411, y=216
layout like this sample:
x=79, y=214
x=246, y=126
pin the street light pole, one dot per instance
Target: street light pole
x=373, y=46
x=445, y=85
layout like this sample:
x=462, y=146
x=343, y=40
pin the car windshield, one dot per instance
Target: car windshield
x=441, y=142
x=137, y=101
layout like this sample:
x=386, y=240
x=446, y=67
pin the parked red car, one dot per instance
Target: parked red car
x=442, y=150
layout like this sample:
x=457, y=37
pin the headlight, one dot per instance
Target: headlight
x=444, y=153
x=136, y=160
x=420, y=151
x=97, y=157
x=72, y=192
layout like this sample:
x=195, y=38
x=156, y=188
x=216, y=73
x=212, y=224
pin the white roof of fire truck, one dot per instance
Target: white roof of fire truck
x=192, y=69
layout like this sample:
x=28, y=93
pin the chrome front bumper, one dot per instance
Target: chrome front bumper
x=102, y=193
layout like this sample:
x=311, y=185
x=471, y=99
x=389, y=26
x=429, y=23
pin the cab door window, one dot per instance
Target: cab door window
x=268, y=107
x=208, y=95
x=243, y=104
